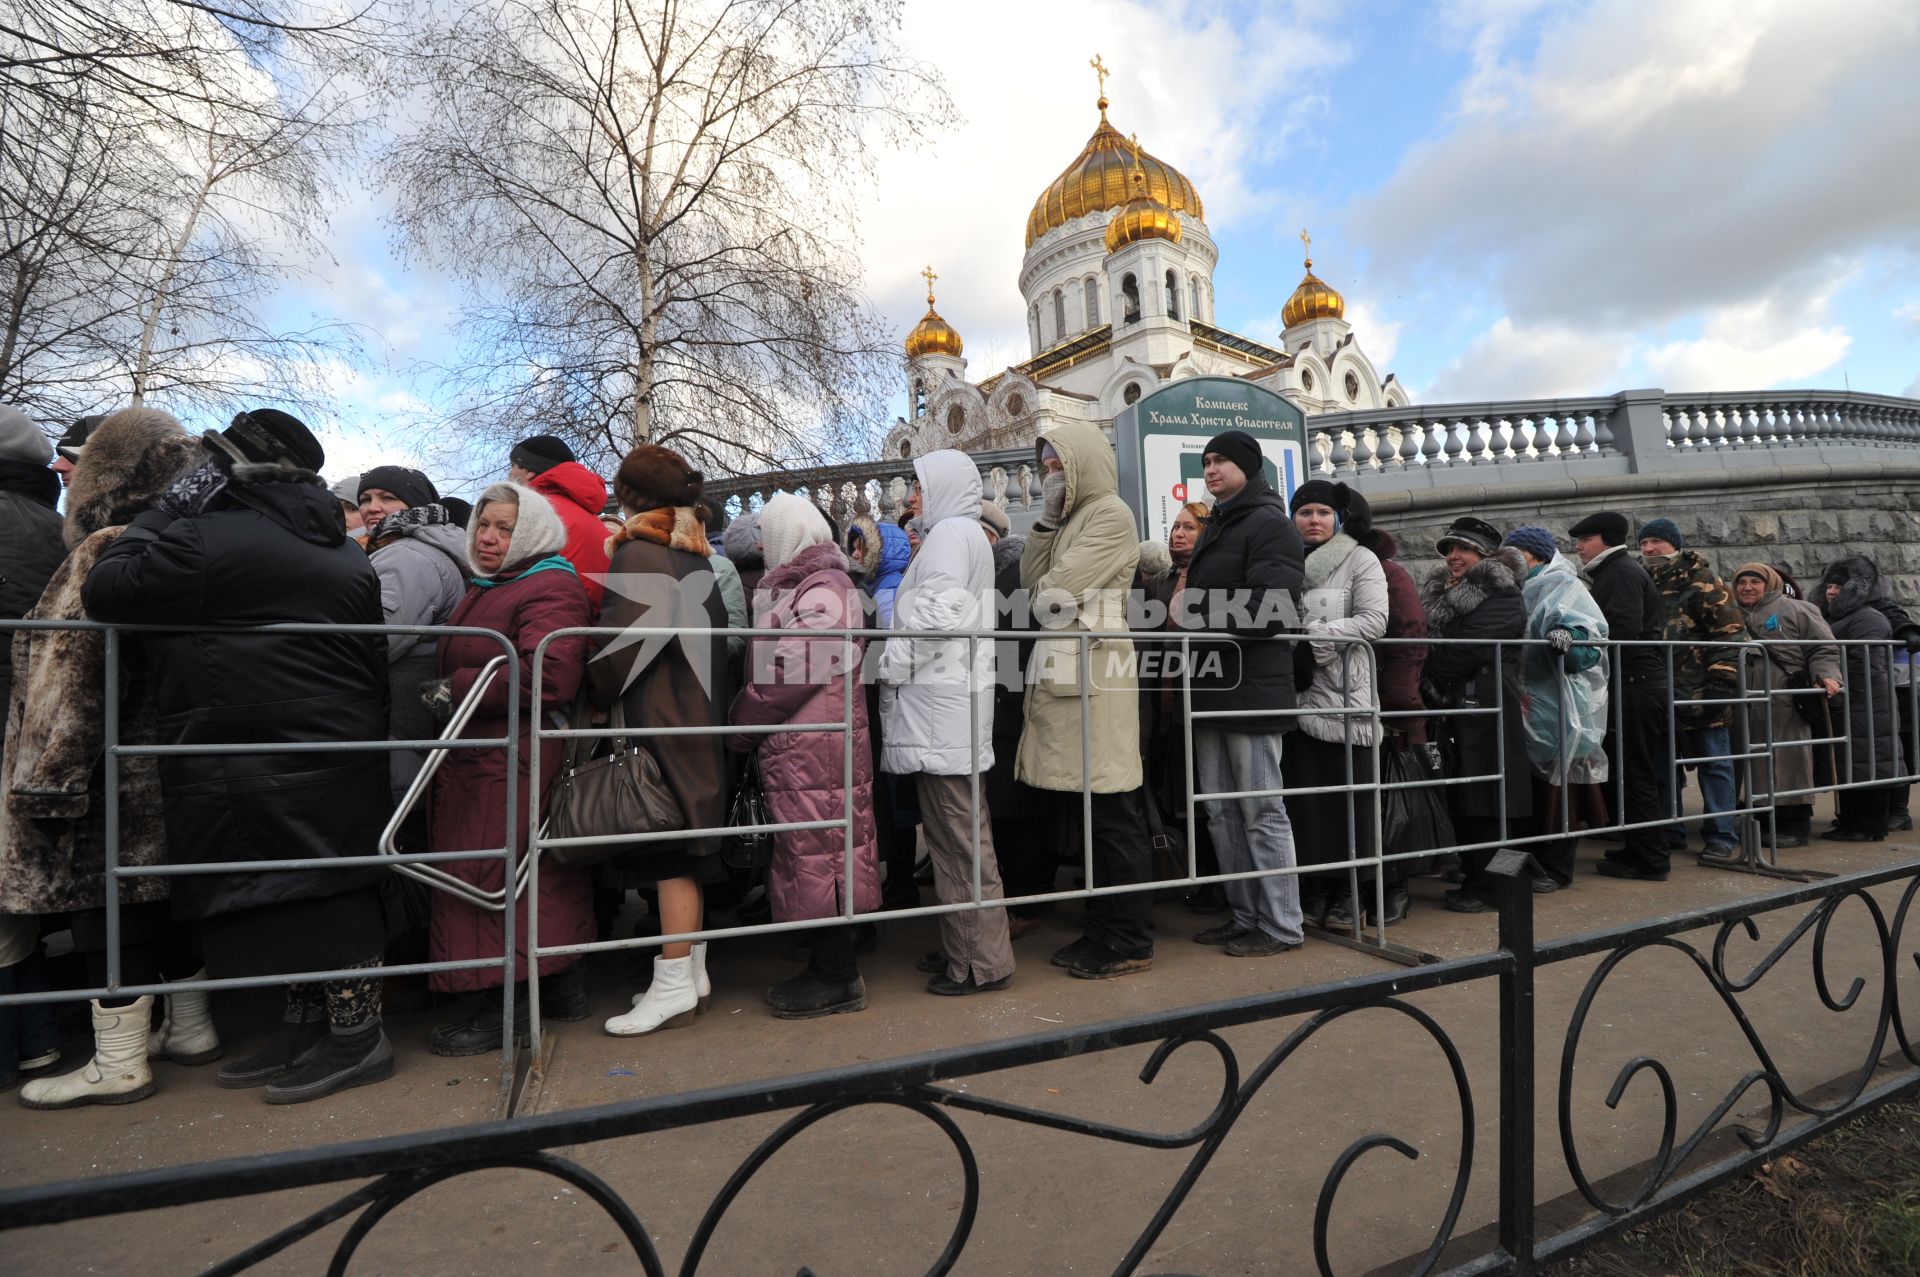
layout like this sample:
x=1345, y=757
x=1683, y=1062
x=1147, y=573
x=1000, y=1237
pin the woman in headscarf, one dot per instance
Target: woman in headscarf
x=1846, y=595
x=684, y=682
x=522, y=586
x=1803, y=680
x=799, y=678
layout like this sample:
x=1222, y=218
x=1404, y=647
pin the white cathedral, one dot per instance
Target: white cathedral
x=1118, y=281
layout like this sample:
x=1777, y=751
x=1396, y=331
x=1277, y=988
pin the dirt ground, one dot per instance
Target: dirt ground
x=877, y=1190
x=1844, y=1205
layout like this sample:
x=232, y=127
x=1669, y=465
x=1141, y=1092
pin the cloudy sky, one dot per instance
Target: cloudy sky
x=1517, y=198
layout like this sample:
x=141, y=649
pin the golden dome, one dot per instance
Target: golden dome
x=1100, y=179
x=932, y=335
x=1314, y=299
x=1144, y=217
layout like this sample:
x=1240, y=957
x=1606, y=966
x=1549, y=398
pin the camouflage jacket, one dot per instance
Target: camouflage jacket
x=1700, y=612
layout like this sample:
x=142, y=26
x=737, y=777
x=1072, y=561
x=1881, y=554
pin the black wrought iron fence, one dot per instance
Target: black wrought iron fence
x=929, y=1086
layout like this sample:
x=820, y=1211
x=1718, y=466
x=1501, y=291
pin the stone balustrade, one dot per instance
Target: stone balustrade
x=1443, y=446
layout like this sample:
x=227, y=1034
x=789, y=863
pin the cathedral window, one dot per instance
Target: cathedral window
x=1130, y=298
x=1093, y=303
x=1131, y=395
x=919, y=398
x=1193, y=296
x=1173, y=295
x=956, y=418
x=1059, y=314
x=1306, y=380
x=906, y=449
x=1015, y=405
x=1353, y=388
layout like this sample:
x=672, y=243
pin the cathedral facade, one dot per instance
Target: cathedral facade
x=1118, y=283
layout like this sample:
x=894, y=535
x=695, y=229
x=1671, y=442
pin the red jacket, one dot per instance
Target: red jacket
x=578, y=494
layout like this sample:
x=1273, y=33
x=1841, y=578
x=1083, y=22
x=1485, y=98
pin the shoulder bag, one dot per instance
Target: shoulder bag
x=608, y=786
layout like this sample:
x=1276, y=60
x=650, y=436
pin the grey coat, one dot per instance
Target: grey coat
x=1792, y=630
x=1871, y=726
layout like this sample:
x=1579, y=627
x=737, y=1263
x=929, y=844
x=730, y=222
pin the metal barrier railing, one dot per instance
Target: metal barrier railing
x=1363, y=797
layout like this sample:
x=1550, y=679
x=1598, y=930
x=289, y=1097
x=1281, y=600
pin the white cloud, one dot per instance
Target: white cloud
x=1779, y=338
x=1630, y=161
x=1511, y=361
x=1201, y=89
x=1908, y=314
x=1378, y=336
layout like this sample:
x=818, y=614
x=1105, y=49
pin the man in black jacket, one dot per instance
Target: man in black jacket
x=253, y=537
x=1636, y=742
x=1245, y=578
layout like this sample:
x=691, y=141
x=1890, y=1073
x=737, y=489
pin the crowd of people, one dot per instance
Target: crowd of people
x=1531, y=687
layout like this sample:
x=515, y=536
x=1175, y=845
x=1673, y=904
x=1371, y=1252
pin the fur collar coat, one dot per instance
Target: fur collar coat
x=52, y=796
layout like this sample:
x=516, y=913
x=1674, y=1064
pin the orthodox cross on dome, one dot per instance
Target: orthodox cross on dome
x=1139, y=173
x=1100, y=72
x=1306, y=242
x=929, y=276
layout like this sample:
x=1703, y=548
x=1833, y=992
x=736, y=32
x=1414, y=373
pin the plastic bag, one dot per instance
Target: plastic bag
x=1412, y=819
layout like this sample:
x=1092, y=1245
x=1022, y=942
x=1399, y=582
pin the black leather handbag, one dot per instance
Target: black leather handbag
x=749, y=807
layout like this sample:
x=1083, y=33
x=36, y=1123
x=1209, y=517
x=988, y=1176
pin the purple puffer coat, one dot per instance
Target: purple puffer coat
x=793, y=679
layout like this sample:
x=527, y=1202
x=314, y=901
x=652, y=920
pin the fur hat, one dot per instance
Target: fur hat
x=1661, y=530
x=995, y=520
x=404, y=482
x=1155, y=559
x=538, y=454
x=132, y=457
x=1475, y=534
x=1609, y=525
x=537, y=531
x=651, y=477
x=269, y=437
x=21, y=440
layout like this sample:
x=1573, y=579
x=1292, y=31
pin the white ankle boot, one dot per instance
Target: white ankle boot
x=117, y=1073
x=186, y=1034
x=669, y=1002
x=702, y=987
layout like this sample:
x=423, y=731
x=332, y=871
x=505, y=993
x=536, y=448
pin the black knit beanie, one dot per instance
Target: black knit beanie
x=541, y=453
x=409, y=485
x=1240, y=448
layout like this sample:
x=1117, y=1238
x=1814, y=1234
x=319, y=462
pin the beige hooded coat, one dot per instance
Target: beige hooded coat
x=1077, y=578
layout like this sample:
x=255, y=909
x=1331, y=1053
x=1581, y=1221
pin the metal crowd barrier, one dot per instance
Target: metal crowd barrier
x=1364, y=798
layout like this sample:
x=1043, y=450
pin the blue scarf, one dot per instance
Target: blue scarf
x=552, y=563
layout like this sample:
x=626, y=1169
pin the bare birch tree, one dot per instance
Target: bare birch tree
x=649, y=205
x=143, y=231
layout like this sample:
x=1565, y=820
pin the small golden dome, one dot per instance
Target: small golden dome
x=932, y=335
x=1314, y=299
x=1144, y=217
x=1100, y=178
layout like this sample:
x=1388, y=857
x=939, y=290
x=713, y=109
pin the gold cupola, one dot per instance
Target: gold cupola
x=1143, y=217
x=1100, y=178
x=932, y=335
x=1314, y=298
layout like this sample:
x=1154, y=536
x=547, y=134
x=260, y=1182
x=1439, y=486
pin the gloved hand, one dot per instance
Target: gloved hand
x=1913, y=640
x=1560, y=640
x=437, y=695
x=192, y=491
x=1053, y=499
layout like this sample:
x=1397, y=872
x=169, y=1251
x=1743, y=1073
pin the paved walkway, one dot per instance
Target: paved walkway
x=876, y=1191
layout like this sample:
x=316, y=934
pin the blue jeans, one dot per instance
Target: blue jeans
x=1250, y=833
x=1716, y=784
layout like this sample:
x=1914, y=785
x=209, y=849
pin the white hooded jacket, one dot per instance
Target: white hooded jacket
x=948, y=586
